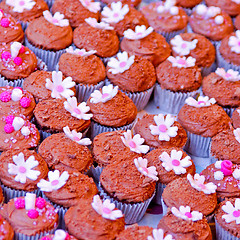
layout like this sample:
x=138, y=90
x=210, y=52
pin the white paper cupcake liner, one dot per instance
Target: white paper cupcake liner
x=229, y=111
x=49, y=3
x=164, y=207
x=207, y=70
x=188, y=11
x=133, y=212
x=222, y=234
x=171, y=102
x=197, y=145
x=169, y=35
x=95, y=173
x=158, y=195
x=24, y=25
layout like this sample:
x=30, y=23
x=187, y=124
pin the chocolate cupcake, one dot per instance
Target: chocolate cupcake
x=134, y=75
x=237, y=22
x=111, y=109
x=132, y=3
x=146, y=43
x=161, y=131
x=236, y=118
x=20, y=171
x=202, y=119
x=77, y=10
x=177, y=79
x=6, y=231
x=188, y=5
x=59, y=234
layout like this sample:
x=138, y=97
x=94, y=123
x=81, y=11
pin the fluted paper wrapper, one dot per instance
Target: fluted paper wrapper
x=49, y=3
x=24, y=25
x=169, y=35
x=229, y=111
x=95, y=173
x=158, y=195
x=222, y=234
x=133, y=212
x=164, y=207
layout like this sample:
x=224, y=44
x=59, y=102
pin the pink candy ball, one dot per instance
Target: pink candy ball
x=18, y=61
x=40, y=203
x=6, y=55
x=5, y=22
x=25, y=102
x=5, y=96
x=33, y=214
x=9, y=119
x=22, y=49
x=19, y=203
x=8, y=128
x=46, y=238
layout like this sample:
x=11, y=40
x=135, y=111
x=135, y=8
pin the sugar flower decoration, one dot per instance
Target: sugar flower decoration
x=182, y=62
x=197, y=182
x=186, y=214
x=80, y=52
x=116, y=13
x=106, y=208
x=23, y=169
x=57, y=19
x=59, y=87
x=135, y=142
x=91, y=5
x=230, y=75
x=236, y=133
x=175, y=162
x=182, y=47
x=56, y=181
x=234, y=42
x=168, y=6
x=141, y=165
x=163, y=127
x=158, y=234
x=78, y=111
x=94, y=23
x=15, y=49
x=201, y=102
x=108, y=92
x=233, y=212
x=76, y=136
x=139, y=33
x=20, y=5
x=120, y=64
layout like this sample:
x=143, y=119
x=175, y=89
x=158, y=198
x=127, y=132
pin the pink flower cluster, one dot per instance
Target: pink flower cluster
x=5, y=22
x=8, y=128
x=6, y=56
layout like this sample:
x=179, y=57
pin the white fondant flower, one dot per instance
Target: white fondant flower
x=230, y=75
x=55, y=181
x=78, y=111
x=18, y=123
x=158, y=234
x=139, y=33
x=60, y=235
x=16, y=94
x=56, y=19
x=236, y=133
x=100, y=25
x=182, y=47
x=175, y=162
x=234, y=42
x=20, y=5
x=106, y=208
x=164, y=127
x=22, y=169
x=207, y=12
x=15, y=48
x=135, y=142
x=116, y=13
x=236, y=173
x=58, y=86
x=201, y=102
x=76, y=136
x=108, y=92
x=197, y=182
x=236, y=1
x=218, y=175
x=25, y=131
x=80, y=52
x=219, y=19
x=121, y=64
x=186, y=214
x=182, y=62
x=168, y=6
x=91, y=5
x=141, y=165
x=233, y=212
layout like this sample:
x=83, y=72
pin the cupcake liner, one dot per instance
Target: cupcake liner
x=207, y=70
x=164, y=207
x=229, y=110
x=158, y=195
x=171, y=102
x=222, y=234
x=49, y=3
x=133, y=212
x=169, y=35
x=149, y=1
x=188, y=11
x=95, y=172
x=24, y=25
x=51, y=58
x=201, y=162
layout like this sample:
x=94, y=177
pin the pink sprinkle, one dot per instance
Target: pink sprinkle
x=236, y=214
x=106, y=210
x=21, y=3
x=22, y=169
x=25, y=102
x=122, y=64
x=175, y=162
x=55, y=182
x=5, y=96
x=5, y=22
x=238, y=43
x=132, y=144
x=201, y=102
x=162, y=128
x=188, y=214
x=6, y=55
x=1, y=11
x=46, y=238
x=226, y=167
x=22, y=49
x=19, y=203
x=67, y=236
x=33, y=214
x=60, y=88
x=9, y=119
x=8, y=128
x=40, y=203
x=18, y=61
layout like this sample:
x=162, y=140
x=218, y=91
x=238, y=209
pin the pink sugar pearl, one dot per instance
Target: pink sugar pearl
x=6, y=55
x=22, y=49
x=46, y=238
x=25, y=102
x=9, y=119
x=18, y=61
x=19, y=203
x=40, y=203
x=5, y=22
x=5, y=96
x=8, y=128
x=33, y=214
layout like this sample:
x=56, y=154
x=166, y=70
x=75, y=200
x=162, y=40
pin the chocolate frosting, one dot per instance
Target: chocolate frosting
x=21, y=223
x=204, y=53
x=12, y=71
x=9, y=179
x=204, y=121
x=45, y=35
x=83, y=222
x=124, y=182
x=236, y=118
x=142, y=128
x=225, y=147
x=188, y=3
x=74, y=11
x=77, y=187
x=117, y=112
x=226, y=93
x=1, y=200
x=83, y=70
x=26, y=15
x=132, y=3
x=237, y=22
x=178, y=79
x=14, y=108
x=185, y=229
x=105, y=42
x=153, y=47
x=52, y=116
x=164, y=22
x=6, y=231
x=165, y=176
x=106, y=148
x=138, y=78
x=180, y=193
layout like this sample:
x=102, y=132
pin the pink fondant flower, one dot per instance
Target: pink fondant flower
x=100, y=25
x=236, y=133
x=233, y=212
x=200, y=102
x=57, y=19
x=21, y=5
x=158, y=234
x=80, y=52
x=91, y=5
x=230, y=75
x=186, y=214
x=139, y=33
x=182, y=62
x=234, y=42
